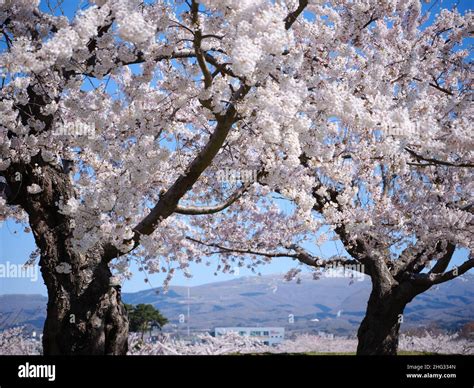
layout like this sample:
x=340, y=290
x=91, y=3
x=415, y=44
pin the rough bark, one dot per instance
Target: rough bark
x=85, y=314
x=379, y=331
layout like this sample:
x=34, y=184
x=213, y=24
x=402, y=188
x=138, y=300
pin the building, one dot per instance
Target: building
x=267, y=335
x=323, y=334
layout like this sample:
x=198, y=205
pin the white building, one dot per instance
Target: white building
x=323, y=334
x=268, y=335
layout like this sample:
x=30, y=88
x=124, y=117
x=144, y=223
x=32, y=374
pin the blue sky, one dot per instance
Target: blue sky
x=16, y=245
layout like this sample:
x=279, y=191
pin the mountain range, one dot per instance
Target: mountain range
x=331, y=305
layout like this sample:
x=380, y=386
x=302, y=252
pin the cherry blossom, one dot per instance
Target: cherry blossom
x=117, y=122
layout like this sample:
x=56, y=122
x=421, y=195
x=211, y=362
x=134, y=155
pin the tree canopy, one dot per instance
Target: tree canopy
x=142, y=316
x=165, y=131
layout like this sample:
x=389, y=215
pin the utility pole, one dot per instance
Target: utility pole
x=187, y=320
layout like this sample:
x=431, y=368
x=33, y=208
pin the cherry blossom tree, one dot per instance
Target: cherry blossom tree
x=384, y=164
x=106, y=162
x=202, y=344
x=15, y=342
x=123, y=128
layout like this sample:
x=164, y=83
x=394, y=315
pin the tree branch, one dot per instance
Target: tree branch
x=199, y=210
x=444, y=260
x=432, y=161
x=197, y=45
x=436, y=86
x=139, y=58
x=298, y=253
x=242, y=251
x=414, y=258
x=169, y=200
x=292, y=16
x=307, y=258
x=430, y=279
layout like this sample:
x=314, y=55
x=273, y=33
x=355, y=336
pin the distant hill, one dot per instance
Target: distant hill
x=328, y=304
x=25, y=310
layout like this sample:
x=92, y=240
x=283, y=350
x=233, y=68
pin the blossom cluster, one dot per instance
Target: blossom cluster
x=363, y=98
x=14, y=342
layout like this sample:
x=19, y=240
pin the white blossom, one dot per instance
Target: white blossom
x=34, y=189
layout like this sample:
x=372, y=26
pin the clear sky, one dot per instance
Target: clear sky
x=16, y=245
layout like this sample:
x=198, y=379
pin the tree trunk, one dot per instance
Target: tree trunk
x=379, y=330
x=85, y=314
